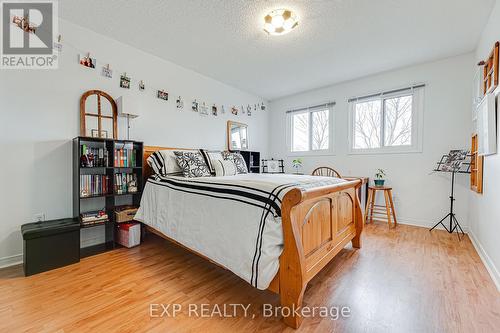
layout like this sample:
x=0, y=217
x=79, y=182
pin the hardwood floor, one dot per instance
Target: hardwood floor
x=403, y=280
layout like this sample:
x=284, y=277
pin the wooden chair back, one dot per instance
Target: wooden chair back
x=326, y=172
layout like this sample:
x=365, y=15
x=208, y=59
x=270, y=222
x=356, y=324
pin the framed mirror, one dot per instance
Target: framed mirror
x=237, y=136
x=98, y=115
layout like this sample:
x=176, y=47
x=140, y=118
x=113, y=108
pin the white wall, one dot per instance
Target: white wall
x=39, y=115
x=484, y=211
x=420, y=198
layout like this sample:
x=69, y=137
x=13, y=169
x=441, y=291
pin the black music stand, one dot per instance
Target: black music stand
x=455, y=162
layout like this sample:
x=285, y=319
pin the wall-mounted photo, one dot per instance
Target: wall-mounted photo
x=234, y=110
x=107, y=72
x=194, y=106
x=124, y=81
x=87, y=61
x=162, y=95
x=179, y=103
x=142, y=86
x=214, y=110
x=203, y=110
x=263, y=107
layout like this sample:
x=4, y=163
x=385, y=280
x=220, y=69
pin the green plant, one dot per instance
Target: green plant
x=297, y=163
x=380, y=174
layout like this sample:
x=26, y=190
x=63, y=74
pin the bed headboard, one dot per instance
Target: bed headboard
x=148, y=150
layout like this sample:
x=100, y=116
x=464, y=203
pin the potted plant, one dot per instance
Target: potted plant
x=297, y=164
x=379, y=177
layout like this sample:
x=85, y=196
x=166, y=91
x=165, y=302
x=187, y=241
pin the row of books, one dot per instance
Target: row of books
x=94, y=157
x=126, y=183
x=125, y=158
x=91, y=185
x=95, y=217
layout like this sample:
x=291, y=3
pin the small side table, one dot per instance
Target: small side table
x=382, y=212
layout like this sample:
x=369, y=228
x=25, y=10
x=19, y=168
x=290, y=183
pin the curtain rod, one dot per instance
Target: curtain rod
x=385, y=92
x=326, y=105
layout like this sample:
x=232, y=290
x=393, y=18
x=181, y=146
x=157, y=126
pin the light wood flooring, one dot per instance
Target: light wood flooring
x=402, y=280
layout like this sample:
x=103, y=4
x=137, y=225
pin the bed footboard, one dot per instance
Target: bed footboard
x=317, y=224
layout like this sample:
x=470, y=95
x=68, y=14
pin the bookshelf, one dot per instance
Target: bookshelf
x=102, y=180
x=252, y=159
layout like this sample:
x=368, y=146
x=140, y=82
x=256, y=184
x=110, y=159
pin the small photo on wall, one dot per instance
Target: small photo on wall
x=203, y=110
x=142, y=86
x=234, y=110
x=179, y=103
x=162, y=95
x=214, y=110
x=107, y=72
x=124, y=81
x=87, y=61
x=194, y=106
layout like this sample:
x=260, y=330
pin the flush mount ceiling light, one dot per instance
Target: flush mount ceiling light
x=280, y=21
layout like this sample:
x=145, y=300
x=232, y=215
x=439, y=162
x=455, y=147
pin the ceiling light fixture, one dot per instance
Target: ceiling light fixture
x=280, y=22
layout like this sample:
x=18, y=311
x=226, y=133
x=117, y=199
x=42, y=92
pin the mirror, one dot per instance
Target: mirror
x=98, y=115
x=237, y=136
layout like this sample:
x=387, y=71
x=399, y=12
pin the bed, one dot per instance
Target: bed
x=274, y=231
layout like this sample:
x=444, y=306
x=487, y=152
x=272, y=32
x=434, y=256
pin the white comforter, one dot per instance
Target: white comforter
x=235, y=221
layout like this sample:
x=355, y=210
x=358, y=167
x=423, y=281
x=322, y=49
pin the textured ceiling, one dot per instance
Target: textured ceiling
x=336, y=40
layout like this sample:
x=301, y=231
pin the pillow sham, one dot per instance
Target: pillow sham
x=239, y=161
x=224, y=168
x=164, y=163
x=192, y=164
x=211, y=156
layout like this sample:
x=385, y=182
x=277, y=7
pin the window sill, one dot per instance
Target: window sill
x=311, y=153
x=384, y=151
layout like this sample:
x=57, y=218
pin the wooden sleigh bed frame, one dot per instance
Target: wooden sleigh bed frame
x=317, y=224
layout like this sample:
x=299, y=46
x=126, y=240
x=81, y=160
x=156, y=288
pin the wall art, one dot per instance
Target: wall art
x=124, y=81
x=142, y=86
x=87, y=61
x=203, y=110
x=107, y=72
x=234, y=110
x=214, y=110
x=179, y=103
x=194, y=106
x=162, y=95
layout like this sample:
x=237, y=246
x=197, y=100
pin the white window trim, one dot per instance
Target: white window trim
x=417, y=126
x=322, y=152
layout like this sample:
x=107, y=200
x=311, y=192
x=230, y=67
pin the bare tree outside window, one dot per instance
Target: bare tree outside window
x=310, y=131
x=367, y=117
x=392, y=115
x=398, y=121
x=300, y=132
x=320, y=136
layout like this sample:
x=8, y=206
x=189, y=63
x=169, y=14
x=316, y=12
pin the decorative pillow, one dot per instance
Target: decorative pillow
x=211, y=156
x=192, y=164
x=224, y=168
x=164, y=163
x=239, y=161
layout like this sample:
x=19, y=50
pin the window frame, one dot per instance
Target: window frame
x=311, y=152
x=416, y=130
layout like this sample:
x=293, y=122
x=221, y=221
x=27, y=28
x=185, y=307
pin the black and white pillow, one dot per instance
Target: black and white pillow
x=224, y=168
x=239, y=161
x=164, y=163
x=211, y=156
x=192, y=164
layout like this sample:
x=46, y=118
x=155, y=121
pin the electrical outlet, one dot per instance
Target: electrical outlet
x=40, y=217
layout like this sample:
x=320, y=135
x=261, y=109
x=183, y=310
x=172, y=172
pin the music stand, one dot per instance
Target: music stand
x=454, y=162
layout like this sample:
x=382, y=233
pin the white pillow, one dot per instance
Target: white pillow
x=164, y=162
x=211, y=156
x=224, y=168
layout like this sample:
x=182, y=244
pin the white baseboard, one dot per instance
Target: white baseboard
x=485, y=258
x=426, y=224
x=11, y=261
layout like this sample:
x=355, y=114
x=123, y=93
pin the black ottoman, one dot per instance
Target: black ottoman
x=50, y=244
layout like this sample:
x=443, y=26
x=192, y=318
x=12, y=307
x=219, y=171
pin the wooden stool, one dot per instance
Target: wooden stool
x=382, y=211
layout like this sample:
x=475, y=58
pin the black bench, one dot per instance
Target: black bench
x=50, y=244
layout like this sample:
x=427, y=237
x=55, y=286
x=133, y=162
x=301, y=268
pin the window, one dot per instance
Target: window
x=310, y=130
x=387, y=122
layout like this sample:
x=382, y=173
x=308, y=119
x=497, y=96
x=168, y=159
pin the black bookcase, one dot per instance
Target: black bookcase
x=252, y=159
x=109, y=200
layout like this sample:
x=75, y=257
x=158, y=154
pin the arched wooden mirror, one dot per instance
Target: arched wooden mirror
x=98, y=115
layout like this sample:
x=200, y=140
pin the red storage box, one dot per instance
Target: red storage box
x=129, y=234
